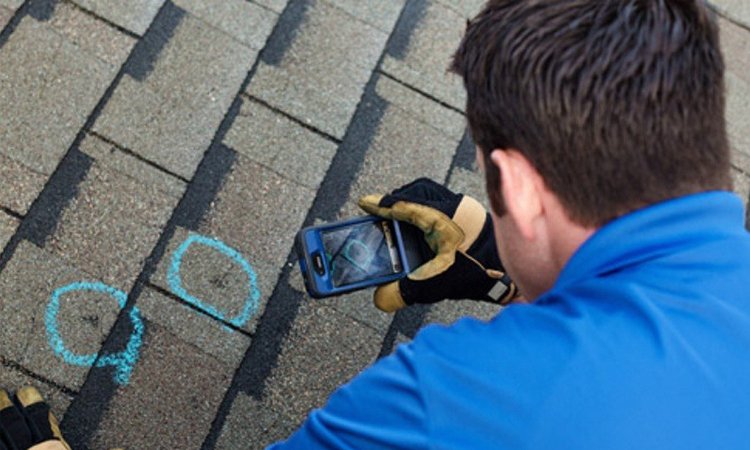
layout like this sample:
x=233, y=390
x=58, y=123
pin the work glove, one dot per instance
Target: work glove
x=458, y=231
x=28, y=423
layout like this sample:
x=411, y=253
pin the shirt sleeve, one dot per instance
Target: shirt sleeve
x=380, y=408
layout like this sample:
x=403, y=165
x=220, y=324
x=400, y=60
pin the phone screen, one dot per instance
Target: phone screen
x=360, y=252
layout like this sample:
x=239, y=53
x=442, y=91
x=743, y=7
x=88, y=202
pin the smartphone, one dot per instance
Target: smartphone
x=353, y=254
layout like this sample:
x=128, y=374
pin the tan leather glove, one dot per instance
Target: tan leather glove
x=28, y=423
x=459, y=232
x=50, y=445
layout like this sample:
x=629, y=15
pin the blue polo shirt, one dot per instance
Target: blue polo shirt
x=642, y=343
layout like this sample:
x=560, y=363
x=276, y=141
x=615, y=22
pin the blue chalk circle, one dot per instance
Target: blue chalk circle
x=124, y=361
x=175, y=282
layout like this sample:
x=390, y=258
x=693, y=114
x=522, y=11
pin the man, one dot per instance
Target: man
x=600, y=129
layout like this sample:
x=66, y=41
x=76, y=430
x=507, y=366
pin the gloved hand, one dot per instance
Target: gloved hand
x=29, y=424
x=459, y=232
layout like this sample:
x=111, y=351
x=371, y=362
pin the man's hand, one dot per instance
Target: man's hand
x=459, y=231
x=28, y=423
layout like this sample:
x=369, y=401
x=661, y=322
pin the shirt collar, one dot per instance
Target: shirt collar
x=653, y=231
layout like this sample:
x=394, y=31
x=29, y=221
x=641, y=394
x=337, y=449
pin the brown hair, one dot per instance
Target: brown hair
x=617, y=103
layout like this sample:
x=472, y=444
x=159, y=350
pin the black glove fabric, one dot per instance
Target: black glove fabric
x=28, y=422
x=459, y=232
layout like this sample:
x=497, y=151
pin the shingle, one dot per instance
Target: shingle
x=174, y=387
x=135, y=15
x=381, y=14
x=265, y=427
x=280, y=144
x=171, y=117
x=84, y=319
x=211, y=337
x=214, y=281
x=321, y=74
x=54, y=85
x=13, y=380
x=93, y=36
x=8, y=225
x=738, y=10
x=324, y=349
x=112, y=225
x=20, y=184
x=428, y=52
x=241, y=19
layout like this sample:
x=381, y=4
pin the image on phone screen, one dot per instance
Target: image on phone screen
x=361, y=252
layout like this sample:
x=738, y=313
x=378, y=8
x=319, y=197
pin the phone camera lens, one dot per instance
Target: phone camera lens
x=317, y=259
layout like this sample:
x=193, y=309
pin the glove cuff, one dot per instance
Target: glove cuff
x=502, y=289
x=464, y=279
x=472, y=218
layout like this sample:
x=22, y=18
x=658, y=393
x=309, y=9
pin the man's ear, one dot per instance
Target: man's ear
x=520, y=187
